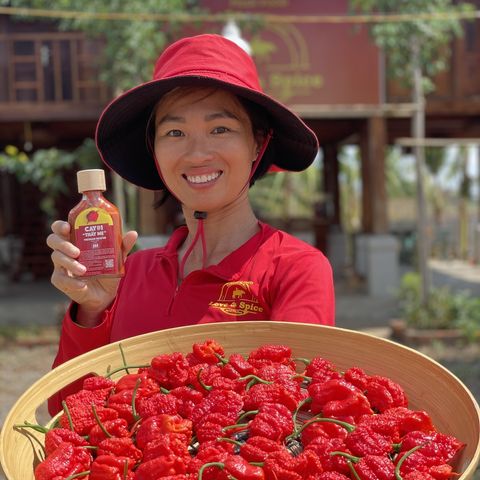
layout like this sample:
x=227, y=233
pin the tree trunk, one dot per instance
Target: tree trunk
x=418, y=133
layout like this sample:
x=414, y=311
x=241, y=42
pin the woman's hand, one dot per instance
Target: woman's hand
x=92, y=294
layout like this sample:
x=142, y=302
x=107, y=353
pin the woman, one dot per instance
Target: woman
x=203, y=130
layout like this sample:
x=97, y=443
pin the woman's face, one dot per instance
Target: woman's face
x=204, y=145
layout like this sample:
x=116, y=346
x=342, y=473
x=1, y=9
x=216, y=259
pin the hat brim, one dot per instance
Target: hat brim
x=121, y=130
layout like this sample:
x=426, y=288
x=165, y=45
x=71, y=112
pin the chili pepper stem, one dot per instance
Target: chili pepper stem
x=223, y=360
x=33, y=426
x=230, y=440
x=246, y=414
x=125, y=367
x=237, y=425
x=78, y=475
x=254, y=379
x=306, y=361
x=295, y=413
x=352, y=469
x=67, y=413
x=99, y=422
x=122, y=353
x=398, y=475
x=136, y=416
x=220, y=465
x=200, y=381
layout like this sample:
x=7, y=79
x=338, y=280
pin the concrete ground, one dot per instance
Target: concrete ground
x=38, y=303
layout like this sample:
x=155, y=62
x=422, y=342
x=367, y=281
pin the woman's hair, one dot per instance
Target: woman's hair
x=259, y=120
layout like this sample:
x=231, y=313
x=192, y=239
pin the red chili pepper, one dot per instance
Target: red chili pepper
x=369, y=467
x=281, y=465
x=238, y=363
x=81, y=419
x=268, y=354
x=330, y=476
x=365, y=441
x=157, y=404
x=166, y=444
x=98, y=382
x=257, y=449
x=237, y=467
x=321, y=370
x=261, y=394
x=356, y=376
x=119, y=447
x=151, y=427
x=322, y=429
x=436, y=449
x=206, y=352
x=218, y=401
x=160, y=467
x=383, y=393
x=111, y=428
x=323, y=447
x=56, y=436
x=146, y=384
x=410, y=420
x=211, y=427
x=273, y=421
x=107, y=467
x=169, y=370
x=121, y=402
x=338, y=399
x=187, y=399
x=201, y=375
x=64, y=461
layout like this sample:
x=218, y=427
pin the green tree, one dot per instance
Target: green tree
x=416, y=51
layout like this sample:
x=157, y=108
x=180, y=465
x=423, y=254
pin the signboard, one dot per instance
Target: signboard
x=308, y=63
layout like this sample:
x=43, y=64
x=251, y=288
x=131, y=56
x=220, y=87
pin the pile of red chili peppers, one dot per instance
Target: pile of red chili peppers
x=208, y=416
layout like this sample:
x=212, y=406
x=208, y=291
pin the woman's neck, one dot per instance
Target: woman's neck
x=224, y=232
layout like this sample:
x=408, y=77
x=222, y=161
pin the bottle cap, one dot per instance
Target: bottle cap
x=93, y=179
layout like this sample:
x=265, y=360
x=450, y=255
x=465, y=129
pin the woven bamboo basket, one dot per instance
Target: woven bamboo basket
x=428, y=385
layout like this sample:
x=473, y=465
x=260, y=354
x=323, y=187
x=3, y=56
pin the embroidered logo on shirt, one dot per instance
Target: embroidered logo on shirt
x=237, y=299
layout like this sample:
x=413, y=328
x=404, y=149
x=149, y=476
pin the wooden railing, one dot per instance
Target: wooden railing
x=46, y=74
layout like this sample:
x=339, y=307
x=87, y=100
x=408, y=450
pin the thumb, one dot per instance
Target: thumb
x=128, y=242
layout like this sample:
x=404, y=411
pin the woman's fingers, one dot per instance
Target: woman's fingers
x=128, y=242
x=61, y=260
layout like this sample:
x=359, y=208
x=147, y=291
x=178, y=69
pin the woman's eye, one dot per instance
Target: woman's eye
x=174, y=133
x=221, y=130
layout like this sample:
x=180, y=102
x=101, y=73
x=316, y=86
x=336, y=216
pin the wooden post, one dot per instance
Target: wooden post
x=374, y=198
x=330, y=179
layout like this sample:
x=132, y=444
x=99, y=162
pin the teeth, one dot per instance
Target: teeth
x=202, y=178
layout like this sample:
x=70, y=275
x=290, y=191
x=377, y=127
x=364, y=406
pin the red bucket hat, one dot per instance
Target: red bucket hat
x=207, y=61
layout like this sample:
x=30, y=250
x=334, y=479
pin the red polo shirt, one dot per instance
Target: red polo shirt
x=273, y=276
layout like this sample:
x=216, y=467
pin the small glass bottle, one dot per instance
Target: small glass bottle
x=96, y=227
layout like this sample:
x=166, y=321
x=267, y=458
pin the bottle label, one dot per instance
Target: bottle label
x=95, y=237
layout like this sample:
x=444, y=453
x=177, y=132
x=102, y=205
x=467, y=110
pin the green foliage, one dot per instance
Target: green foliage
x=444, y=308
x=286, y=195
x=45, y=169
x=131, y=46
x=432, y=35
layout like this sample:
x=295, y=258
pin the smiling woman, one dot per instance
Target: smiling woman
x=204, y=131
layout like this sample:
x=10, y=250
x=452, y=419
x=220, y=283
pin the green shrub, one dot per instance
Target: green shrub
x=444, y=309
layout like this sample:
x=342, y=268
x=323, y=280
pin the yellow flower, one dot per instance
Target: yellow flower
x=11, y=150
x=22, y=157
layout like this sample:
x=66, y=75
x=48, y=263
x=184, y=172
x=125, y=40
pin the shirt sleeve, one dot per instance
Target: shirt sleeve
x=303, y=290
x=75, y=340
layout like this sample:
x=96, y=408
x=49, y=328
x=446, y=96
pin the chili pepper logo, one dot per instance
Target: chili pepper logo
x=237, y=299
x=92, y=216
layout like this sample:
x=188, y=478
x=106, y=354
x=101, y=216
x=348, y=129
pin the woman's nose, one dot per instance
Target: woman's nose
x=199, y=149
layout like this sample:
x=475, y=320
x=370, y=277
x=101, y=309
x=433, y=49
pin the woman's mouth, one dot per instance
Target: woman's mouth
x=202, y=179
